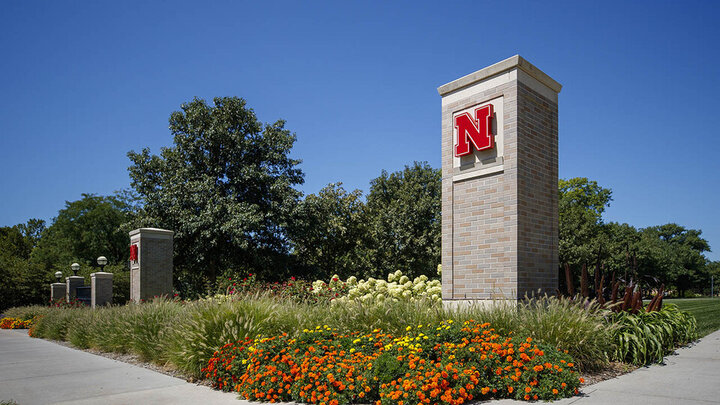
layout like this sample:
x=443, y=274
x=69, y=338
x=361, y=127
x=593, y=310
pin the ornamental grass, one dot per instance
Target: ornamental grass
x=448, y=363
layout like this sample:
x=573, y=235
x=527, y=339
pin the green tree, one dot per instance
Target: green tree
x=581, y=205
x=405, y=218
x=82, y=231
x=225, y=188
x=329, y=234
x=23, y=282
x=714, y=272
x=679, y=257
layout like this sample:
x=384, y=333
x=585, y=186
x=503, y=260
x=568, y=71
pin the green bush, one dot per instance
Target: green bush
x=646, y=337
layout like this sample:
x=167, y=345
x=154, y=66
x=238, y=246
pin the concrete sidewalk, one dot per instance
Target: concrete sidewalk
x=690, y=377
x=35, y=371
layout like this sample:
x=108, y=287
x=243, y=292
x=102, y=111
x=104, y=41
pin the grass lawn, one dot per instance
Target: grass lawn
x=705, y=310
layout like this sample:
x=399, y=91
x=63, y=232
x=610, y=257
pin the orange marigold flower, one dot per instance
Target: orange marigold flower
x=528, y=389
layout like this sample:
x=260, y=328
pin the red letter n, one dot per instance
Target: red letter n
x=478, y=129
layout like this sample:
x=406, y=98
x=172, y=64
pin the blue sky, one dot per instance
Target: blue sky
x=85, y=82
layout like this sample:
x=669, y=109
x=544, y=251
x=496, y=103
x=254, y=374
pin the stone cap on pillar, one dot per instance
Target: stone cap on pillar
x=510, y=63
x=74, y=277
x=58, y=284
x=153, y=233
x=101, y=274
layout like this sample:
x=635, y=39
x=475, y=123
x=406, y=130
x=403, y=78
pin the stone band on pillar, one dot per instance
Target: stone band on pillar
x=71, y=284
x=151, y=263
x=101, y=289
x=58, y=291
x=499, y=183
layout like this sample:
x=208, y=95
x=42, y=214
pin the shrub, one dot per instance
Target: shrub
x=646, y=337
x=398, y=287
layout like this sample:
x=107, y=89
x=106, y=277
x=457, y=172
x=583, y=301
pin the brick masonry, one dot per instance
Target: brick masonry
x=57, y=291
x=101, y=289
x=500, y=220
x=152, y=274
x=71, y=285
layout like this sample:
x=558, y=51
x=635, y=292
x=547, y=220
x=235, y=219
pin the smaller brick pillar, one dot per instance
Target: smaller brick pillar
x=101, y=288
x=57, y=291
x=72, y=283
x=151, y=274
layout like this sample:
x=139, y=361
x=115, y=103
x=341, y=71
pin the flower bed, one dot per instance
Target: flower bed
x=14, y=323
x=447, y=363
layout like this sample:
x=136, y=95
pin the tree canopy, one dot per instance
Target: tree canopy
x=225, y=187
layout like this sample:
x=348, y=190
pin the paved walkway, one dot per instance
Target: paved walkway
x=35, y=371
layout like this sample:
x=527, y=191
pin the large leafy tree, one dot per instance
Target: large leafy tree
x=405, y=219
x=22, y=280
x=329, y=234
x=679, y=255
x=225, y=188
x=581, y=205
x=83, y=230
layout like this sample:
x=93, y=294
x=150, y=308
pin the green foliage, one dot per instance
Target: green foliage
x=23, y=281
x=329, y=234
x=225, y=188
x=581, y=205
x=647, y=337
x=667, y=254
x=187, y=334
x=404, y=218
x=82, y=231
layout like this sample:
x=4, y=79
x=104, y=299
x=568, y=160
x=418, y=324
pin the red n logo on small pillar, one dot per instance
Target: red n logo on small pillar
x=133, y=253
x=477, y=130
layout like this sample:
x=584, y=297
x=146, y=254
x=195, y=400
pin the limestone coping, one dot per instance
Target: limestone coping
x=101, y=274
x=156, y=231
x=510, y=63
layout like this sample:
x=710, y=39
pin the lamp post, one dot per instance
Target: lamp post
x=75, y=267
x=58, y=275
x=102, y=261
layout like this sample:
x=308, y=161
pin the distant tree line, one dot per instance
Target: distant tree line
x=227, y=187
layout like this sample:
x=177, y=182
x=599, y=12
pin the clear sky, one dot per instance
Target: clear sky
x=83, y=83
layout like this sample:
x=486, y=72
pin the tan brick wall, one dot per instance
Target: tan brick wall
x=499, y=231
x=537, y=192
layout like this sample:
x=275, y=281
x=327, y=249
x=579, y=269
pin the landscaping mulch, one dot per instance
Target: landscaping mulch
x=612, y=370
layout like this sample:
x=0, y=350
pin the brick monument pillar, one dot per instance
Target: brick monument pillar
x=57, y=291
x=151, y=263
x=101, y=288
x=71, y=284
x=499, y=183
